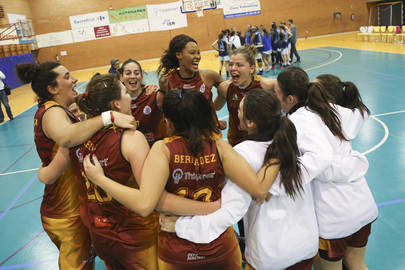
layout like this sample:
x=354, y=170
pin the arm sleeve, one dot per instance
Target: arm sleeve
x=234, y=205
x=2, y=76
x=204, y=229
x=315, y=149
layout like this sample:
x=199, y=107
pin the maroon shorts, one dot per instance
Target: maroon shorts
x=302, y=265
x=335, y=249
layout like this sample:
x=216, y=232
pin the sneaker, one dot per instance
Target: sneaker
x=298, y=61
x=12, y=118
x=273, y=67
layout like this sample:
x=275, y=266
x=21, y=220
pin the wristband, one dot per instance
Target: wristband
x=106, y=117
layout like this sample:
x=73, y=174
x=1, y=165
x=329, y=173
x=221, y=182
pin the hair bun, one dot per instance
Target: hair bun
x=26, y=72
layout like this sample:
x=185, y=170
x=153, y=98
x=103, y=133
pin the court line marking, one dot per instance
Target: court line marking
x=18, y=250
x=25, y=188
x=18, y=159
x=25, y=203
x=327, y=63
x=389, y=113
x=21, y=171
x=391, y=202
x=383, y=140
x=23, y=265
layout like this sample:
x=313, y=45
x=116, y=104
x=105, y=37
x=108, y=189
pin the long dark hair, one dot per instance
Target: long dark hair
x=40, y=76
x=344, y=94
x=191, y=115
x=169, y=61
x=295, y=81
x=264, y=109
x=100, y=92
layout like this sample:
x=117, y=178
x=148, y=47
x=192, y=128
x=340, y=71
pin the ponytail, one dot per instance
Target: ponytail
x=344, y=94
x=318, y=100
x=352, y=98
x=284, y=148
x=40, y=76
x=100, y=92
x=264, y=109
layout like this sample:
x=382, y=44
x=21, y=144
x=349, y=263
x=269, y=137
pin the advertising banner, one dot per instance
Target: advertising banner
x=128, y=14
x=240, y=8
x=89, y=20
x=166, y=17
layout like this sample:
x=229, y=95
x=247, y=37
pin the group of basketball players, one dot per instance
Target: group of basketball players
x=145, y=180
x=274, y=46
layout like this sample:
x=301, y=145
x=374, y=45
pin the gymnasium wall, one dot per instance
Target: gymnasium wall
x=312, y=17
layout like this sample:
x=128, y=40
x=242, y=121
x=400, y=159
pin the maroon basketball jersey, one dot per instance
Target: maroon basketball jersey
x=195, y=83
x=60, y=198
x=233, y=99
x=198, y=178
x=148, y=116
x=102, y=214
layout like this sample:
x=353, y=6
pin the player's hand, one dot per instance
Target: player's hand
x=150, y=89
x=167, y=223
x=124, y=120
x=222, y=125
x=92, y=168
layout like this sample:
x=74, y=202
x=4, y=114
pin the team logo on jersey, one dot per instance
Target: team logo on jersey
x=202, y=88
x=177, y=175
x=235, y=97
x=147, y=110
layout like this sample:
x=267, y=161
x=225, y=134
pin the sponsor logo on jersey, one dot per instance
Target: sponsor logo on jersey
x=177, y=175
x=197, y=177
x=194, y=257
x=188, y=86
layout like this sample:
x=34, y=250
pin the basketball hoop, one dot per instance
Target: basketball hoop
x=199, y=10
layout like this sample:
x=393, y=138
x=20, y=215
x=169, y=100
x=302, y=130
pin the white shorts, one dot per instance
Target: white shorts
x=285, y=51
x=224, y=58
x=259, y=56
x=267, y=52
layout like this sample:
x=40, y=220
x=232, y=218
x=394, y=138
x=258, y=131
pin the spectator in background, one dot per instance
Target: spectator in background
x=4, y=99
x=115, y=64
x=234, y=40
x=293, y=41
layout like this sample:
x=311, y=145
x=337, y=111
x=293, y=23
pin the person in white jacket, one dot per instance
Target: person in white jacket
x=281, y=233
x=315, y=141
x=345, y=207
x=352, y=248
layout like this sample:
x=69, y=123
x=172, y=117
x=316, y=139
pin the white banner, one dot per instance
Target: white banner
x=83, y=34
x=131, y=27
x=54, y=39
x=166, y=17
x=240, y=8
x=89, y=20
x=14, y=18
